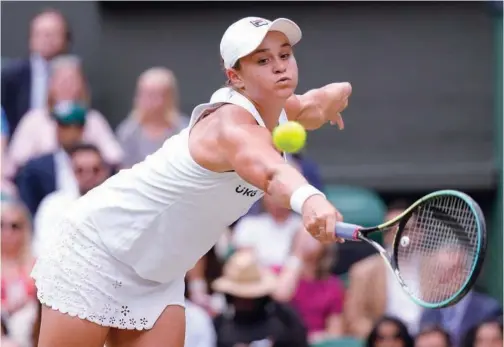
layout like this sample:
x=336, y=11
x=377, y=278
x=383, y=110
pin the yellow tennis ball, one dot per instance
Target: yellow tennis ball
x=289, y=137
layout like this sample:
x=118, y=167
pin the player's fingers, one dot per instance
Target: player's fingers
x=337, y=120
x=347, y=89
x=330, y=228
x=339, y=216
x=315, y=228
x=341, y=90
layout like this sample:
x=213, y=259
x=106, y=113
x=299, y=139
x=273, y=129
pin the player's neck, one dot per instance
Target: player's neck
x=269, y=109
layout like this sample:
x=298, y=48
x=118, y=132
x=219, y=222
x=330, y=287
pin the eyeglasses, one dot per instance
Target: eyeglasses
x=15, y=226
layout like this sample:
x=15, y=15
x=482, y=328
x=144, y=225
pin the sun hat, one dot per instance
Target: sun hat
x=243, y=277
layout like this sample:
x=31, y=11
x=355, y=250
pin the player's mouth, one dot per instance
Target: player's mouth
x=283, y=80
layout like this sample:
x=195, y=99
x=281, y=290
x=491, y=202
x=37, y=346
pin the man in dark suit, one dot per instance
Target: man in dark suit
x=24, y=82
x=457, y=320
x=50, y=172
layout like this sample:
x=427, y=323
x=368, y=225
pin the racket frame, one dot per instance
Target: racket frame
x=391, y=259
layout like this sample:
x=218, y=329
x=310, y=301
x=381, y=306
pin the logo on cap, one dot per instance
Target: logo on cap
x=258, y=22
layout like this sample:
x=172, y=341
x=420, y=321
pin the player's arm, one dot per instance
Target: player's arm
x=319, y=106
x=248, y=149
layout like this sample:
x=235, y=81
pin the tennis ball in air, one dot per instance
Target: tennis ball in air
x=289, y=137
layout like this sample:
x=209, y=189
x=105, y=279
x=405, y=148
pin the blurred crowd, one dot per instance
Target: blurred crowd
x=265, y=283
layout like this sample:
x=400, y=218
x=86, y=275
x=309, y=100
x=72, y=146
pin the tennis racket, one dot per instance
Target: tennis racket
x=438, y=248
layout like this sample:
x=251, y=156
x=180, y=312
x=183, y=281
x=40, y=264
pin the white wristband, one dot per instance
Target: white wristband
x=302, y=194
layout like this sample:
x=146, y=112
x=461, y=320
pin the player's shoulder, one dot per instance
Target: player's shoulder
x=235, y=124
x=231, y=114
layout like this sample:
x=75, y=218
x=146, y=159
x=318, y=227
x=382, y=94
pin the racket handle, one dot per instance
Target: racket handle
x=347, y=231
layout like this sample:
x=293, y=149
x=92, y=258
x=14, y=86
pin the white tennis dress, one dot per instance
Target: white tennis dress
x=125, y=247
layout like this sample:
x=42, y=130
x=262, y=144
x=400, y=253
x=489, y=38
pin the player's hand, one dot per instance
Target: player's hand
x=319, y=219
x=335, y=102
x=322, y=105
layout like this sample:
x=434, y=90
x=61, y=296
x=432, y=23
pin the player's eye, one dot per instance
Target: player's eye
x=285, y=56
x=262, y=61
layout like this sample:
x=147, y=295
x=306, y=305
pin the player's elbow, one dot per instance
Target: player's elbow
x=249, y=165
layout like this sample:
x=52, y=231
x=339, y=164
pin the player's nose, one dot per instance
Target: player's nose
x=279, y=67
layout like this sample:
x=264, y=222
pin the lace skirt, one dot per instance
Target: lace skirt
x=77, y=276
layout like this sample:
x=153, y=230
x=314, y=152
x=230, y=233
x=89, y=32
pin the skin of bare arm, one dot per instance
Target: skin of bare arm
x=230, y=139
x=318, y=106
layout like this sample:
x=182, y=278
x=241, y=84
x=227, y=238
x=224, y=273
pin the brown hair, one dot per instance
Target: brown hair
x=435, y=329
x=74, y=63
x=236, y=66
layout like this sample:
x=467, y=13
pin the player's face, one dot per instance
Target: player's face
x=271, y=70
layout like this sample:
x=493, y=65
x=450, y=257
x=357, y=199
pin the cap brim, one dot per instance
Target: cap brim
x=287, y=27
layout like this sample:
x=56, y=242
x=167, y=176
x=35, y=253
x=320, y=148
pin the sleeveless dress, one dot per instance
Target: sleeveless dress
x=124, y=247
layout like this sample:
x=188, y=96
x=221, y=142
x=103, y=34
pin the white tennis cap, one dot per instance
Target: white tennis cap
x=245, y=35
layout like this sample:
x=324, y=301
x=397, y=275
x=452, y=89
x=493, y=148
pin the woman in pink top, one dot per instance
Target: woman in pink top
x=36, y=132
x=306, y=282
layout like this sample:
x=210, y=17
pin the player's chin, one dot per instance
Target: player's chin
x=284, y=91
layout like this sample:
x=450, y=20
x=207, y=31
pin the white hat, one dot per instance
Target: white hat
x=245, y=35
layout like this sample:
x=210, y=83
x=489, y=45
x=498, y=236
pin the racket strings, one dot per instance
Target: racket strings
x=439, y=249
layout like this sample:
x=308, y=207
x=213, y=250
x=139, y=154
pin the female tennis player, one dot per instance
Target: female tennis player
x=116, y=274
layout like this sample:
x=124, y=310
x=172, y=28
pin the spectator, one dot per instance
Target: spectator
x=6, y=170
x=4, y=125
x=6, y=341
x=17, y=289
x=252, y=317
x=485, y=334
x=458, y=319
x=269, y=234
x=35, y=333
x=433, y=337
x=89, y=170
x=24, y=83
x=8, y=189
x=389, y=332
x=308, y=272
x=156, y=115
x=53, y=171
x=361, y=309
x=36, y=134
x=200, y=331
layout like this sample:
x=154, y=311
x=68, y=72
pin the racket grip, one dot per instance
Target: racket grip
x=347, y=231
